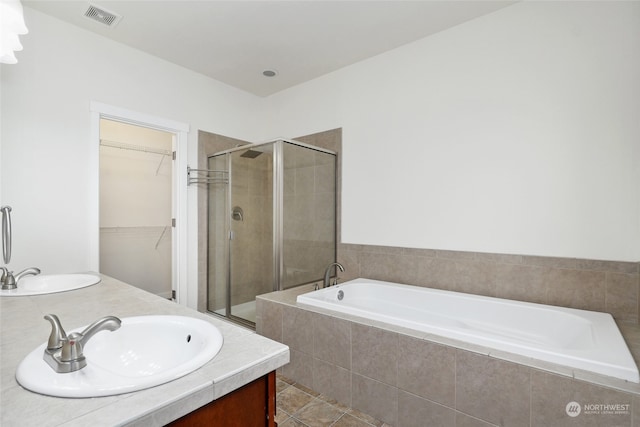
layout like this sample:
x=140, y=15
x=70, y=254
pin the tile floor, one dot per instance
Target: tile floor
x=299, y=406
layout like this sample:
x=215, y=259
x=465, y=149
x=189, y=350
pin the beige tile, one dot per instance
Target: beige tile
x=464, y=420
x=550, y=395
x=299, y=368
x=281, y=416
x=492, y=390
x=297, y=329
x=608, y=266
x=350, y=260
x=332, y=380
x=347, y=420
x=365, y=417
x=281, y=385
x=285, y=379
x=306, y=389
x=331, y=401
x=553, y=262
x=622, y=296
x=499, y=258
x=474, y=277
x=332, y=340
x=438, y=273
x=521, y=283
x=635, y=411
x=413, y=411
x=394, y=267
x=375, y=353
x=427, y=369
x=292, y=399
x=456, y=255
x=292, y=422
x=318, y=414
x=270, y=319
x=577, y=289
x=374, y=398
x=429, y=253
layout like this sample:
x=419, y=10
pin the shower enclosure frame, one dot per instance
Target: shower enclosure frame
x=278, y=258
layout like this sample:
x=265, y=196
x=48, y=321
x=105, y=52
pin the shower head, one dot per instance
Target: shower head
x=251, y=154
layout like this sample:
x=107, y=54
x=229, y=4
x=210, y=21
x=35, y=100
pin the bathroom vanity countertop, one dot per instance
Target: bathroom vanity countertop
x=244, y=357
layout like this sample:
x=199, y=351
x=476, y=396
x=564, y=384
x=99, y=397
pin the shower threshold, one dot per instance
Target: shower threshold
x=245, y=311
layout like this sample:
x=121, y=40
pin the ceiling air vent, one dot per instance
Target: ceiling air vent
x=105, y=17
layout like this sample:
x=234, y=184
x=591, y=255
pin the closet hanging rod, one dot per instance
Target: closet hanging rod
x=133, y=147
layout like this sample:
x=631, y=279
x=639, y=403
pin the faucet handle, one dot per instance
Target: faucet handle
x=58, y=335
x=72, y=349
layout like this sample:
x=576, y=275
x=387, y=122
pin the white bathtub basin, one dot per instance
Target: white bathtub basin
x=50, y=284
x=580, y=339
x=145, y=352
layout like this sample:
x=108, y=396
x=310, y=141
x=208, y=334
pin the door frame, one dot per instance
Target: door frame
x=180, y=131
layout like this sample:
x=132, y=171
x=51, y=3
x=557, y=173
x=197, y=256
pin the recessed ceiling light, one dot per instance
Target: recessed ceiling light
x=269, y=73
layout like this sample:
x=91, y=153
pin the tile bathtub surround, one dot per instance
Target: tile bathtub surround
x=405, y=379
x=609, y=286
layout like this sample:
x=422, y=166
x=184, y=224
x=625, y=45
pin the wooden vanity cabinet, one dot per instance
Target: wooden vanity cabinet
x=253, y=405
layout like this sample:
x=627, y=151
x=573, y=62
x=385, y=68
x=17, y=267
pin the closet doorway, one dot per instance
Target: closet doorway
x=136, y=182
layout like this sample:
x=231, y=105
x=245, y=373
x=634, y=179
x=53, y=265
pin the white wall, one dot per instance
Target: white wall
x=46, y=131
x=517, y=132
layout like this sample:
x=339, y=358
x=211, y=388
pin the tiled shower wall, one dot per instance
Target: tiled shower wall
x=607, y=286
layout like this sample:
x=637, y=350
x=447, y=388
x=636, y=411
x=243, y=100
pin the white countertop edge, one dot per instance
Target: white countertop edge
x=231, y=382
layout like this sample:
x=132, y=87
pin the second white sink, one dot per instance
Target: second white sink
x=145, y=352
x=50, y=283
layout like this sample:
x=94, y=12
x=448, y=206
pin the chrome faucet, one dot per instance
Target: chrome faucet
x=64, y=353
x=8, y=280
x=327, y=273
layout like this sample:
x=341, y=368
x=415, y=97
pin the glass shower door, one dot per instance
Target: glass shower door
x=251, y=229
x=218, y=259
x=272, y=224
x=309, y=214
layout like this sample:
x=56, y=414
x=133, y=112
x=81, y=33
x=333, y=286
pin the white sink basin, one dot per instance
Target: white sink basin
x=145, y=352
x=50, y=283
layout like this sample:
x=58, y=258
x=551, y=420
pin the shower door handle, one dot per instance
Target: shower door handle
x=232, y=235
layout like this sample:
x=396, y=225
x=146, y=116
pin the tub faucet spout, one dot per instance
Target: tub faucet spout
x=327, y=274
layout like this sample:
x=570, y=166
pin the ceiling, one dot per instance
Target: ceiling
x=235, y=41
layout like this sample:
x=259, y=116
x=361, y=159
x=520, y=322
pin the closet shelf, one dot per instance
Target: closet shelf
x=133, y=147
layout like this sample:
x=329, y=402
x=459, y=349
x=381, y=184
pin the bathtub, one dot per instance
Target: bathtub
x=580, y=339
